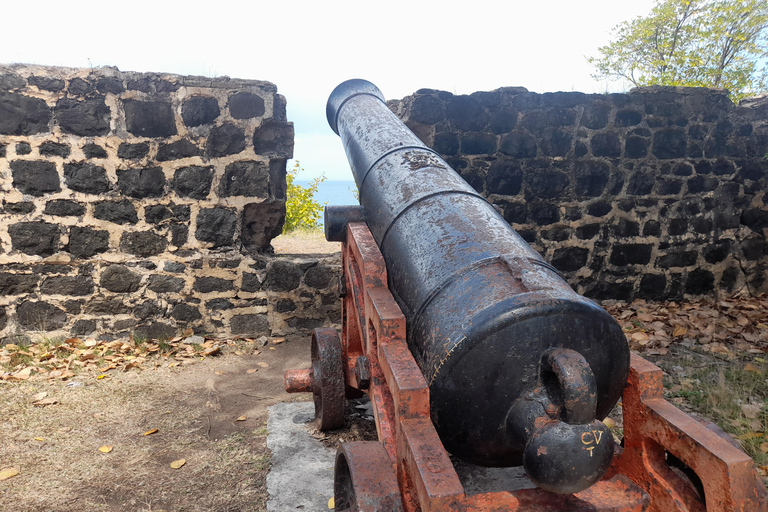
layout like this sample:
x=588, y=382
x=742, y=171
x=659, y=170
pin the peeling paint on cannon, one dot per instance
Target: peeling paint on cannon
x=520, y=367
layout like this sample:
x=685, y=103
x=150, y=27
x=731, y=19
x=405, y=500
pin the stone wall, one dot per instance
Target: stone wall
x=144, y=203
x=659, y=193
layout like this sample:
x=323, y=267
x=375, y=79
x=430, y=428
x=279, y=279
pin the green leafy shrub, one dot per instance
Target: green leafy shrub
x=302, y=211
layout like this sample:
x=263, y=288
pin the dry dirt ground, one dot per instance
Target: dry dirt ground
x=211, y=413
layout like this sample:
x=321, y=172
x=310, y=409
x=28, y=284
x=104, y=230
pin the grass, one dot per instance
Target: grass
x=732, y=394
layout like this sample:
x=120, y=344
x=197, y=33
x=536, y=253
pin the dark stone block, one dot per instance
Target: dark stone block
x=40, y=316
x=544, y=214
x=147, y=309
x=224, y=140
x=304, y=324
x=505, y=178
x=717, y=252
x=172, y=266
x=652, y=228
x=723, y=167
x=570, y=259
x=180, y=212
x=34, y=238
x=23, y=115
x=23, y=148
x=503, y=120
x=446, y=143
x=475, y=143
x=596, y=115
x=547, y=184
x=251, y=282
x=755, y=219
x=631, y=254
x=518, y=144
x=18, y=208
x=466, y=113
x=143, y=243
x=118, y=279
x=573, y=213
x=703, y=167
x=609, y=291
x=626, y=228
x=119, y=212
x=199, y=110
x=101, y=306
x=556, y=142
x=599, y=208
x=591, y=177
x=67, y=285
x=93, y=151
x=615, y=183
x=640, y=184
x=17, y=284
x=751, y=170
x=669, y=143
x=159, y=283
x=727, y=220
x=218, y=304
x=54, y=149
x=754, y=249
x=35, y=177
x=128, y=151
x=156, y=213
x=588, y=231
x=580, y=149
x=253, y=324
x=652, y=286
x=285, y=306
x=246, y=178
x=274, y=139
x=149, y=118
x=179, y=234
x=282, y=276
x=699, y=184
x=670, y=187
x=212, y=284
x=261, y=223
x=682, y=169
x=193, y=181
x=86, y=118
x=700, y=282
x=701, y=225
x=183, y=148
x=635, y=147
x=605, y=144
x=9, y=81
x=677, y=259
x=320, y=277
x=109, y=85
x=185, y=313
x=86, y=177
x=628, y=118
x=83, y=327
x=141, y=183
x=557, y=233
x=79, y=87
x=64, y=208
x=155, y=331
x=2, y=151
x=245, y=105
x=516, y=213
x=426, y=109
x=216, y=226
x=677, y=227
x=86, y=242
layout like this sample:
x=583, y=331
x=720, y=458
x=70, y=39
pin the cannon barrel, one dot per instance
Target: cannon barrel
x=520, y=367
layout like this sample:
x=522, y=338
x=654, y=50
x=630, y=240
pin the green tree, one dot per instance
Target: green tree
x=302, y=211
x=696, y=43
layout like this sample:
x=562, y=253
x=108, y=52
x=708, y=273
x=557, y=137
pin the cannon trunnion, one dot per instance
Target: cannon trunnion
x=466, y=340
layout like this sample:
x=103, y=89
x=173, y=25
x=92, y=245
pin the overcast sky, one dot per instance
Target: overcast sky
x=308, y=47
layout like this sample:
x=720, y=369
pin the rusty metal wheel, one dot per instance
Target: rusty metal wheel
x=364, y=479
x=328, y=370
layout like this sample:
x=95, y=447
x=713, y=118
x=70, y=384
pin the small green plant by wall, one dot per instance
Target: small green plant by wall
x=302, y=210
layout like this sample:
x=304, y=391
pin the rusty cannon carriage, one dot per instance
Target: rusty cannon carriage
x=467, y=342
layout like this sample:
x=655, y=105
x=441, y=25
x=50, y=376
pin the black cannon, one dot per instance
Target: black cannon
x=520, y=368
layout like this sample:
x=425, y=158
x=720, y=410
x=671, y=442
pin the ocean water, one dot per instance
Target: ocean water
x=333, y=193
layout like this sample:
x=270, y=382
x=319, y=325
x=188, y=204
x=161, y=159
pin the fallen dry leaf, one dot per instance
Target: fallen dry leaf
x=252, y=370
x=105, y=449
x=150, y=432
x=679, y=331
x=331, y=504
x=220, y=373
x=263, y=364
x=45, y=401
x=178, y=463
x=749, y=367
x=610, y=423
x=39, y=396
x=751, y=411
x=241, y=418
x=212, y=351
x=764, y=447
x=8, y=473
